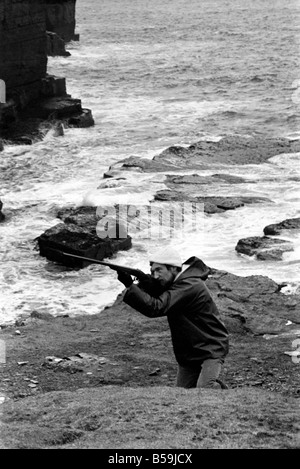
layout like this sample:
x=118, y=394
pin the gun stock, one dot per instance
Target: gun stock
x=139, y=274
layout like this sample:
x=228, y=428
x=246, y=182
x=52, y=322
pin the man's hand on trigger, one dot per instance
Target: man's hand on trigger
x=125, y=279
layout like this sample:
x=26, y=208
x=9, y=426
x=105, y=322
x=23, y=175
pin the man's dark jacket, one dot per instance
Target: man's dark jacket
x=197, y=331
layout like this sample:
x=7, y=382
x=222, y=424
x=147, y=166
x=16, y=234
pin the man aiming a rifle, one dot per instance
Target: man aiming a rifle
x=199, y=337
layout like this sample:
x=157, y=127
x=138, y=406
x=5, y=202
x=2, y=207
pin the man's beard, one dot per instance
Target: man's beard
x=166, y=283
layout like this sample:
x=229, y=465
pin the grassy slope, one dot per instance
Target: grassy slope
x=157, y=417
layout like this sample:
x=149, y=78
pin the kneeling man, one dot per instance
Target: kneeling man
x=199, y=337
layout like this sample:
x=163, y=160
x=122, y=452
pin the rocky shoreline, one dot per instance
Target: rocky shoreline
x=211, y=191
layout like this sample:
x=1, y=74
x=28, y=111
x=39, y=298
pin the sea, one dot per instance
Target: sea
x=157, y=74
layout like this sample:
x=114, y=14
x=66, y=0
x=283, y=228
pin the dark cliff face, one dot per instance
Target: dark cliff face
x=23, y=61
x=32, y=95
x=61, y=18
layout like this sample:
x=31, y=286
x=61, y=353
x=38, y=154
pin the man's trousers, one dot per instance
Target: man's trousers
x=205, y=377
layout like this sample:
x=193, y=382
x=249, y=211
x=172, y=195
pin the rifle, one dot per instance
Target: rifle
x=139, y=274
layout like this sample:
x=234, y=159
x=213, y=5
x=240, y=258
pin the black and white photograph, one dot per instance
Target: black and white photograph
x=149, y=227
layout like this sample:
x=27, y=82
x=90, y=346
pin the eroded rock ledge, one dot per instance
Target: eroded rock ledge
x=200, y=155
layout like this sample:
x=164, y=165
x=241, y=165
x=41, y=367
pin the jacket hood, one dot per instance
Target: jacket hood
x=196, y=268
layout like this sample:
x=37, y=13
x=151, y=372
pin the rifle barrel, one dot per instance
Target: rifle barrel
x=134, y=272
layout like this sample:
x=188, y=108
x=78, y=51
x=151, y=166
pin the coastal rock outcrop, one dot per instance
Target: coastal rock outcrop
x=229, y=150
x=290, y=224
x=56, y=45
x=78, y=235
x=61, y=18
x=200, y=155
x=254, y=303
x=60, y=25
x=23, y=61
x=264, y=248
x=29, y=99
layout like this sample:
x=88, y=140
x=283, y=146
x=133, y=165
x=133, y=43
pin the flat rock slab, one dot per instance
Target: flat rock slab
x=264, y=248
x=212, y=204
x=200, y=155
x=228, y=150
x=141, y=165
x=77, y=235
x=278, y=228
x=196, y=179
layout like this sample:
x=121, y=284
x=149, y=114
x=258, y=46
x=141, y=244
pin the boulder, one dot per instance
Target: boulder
x=78, y=235
x=277, y=228
x=42, y=315
x=264, y=248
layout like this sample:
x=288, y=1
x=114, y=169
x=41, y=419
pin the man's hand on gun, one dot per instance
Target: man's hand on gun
x=125, y=278
x=145, y=283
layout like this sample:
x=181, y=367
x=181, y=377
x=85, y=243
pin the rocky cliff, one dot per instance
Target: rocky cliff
x=31, y=95
x=23, y=62
x=61, y=18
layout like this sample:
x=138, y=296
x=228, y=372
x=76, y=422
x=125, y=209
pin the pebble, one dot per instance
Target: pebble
x=155, y=372
x=17, y=332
